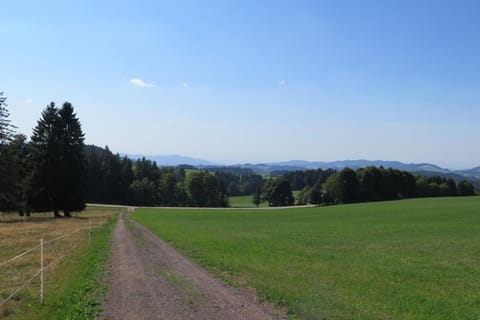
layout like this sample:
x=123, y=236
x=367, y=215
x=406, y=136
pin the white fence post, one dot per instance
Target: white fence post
x=41, y=270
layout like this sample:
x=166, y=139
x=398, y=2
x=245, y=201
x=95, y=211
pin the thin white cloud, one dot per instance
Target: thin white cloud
x=28, y=100
x=137, y=82
x=184, y=85
x=282, y=82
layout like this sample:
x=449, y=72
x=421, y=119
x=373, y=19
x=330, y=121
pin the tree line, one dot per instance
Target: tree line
x=374, y=184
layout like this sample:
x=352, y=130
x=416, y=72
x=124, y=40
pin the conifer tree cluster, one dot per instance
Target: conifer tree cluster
x=48, y=173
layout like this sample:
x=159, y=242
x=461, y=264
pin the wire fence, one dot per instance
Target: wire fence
x=58, y=252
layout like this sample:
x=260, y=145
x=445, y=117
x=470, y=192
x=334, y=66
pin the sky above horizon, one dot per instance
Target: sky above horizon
x=253, y=81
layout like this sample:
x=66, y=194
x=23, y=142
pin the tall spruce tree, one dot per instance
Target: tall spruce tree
x=58, y=179
x=44, y=182
x=73, y=179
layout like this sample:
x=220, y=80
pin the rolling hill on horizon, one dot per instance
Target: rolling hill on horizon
x=292, y=165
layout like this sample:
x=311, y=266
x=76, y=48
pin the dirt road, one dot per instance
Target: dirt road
x=151, y=280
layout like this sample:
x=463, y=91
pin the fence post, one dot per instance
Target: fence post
x=41, y=271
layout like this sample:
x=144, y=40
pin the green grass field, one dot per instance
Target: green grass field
x=411, y=259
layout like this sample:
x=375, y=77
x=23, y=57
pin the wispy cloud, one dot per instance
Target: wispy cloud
x=282, y=82
x=137, y=82
x=184, y=85
x=28, y=100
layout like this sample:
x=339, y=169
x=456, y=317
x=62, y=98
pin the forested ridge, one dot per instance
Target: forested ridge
x=55, y=171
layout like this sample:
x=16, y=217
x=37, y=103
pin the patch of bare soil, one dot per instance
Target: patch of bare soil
x=152, y=280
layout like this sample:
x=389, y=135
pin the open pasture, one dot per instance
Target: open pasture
x=68, y=253
x=410, y=259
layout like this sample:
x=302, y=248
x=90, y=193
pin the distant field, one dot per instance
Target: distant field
x=71, y=289
x=411, y=259
x=246, y=201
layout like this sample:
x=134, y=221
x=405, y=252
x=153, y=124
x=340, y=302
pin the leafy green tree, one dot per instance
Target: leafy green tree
x=317, y=194
x=196, y=189
x=204, y=189
x=452, y=187
x=465, y=188
x=212, y=191
x=278, y=193
x=181, y=195
x=141, y=193
x=305, y=196
x=422, y=187
x=444, y=190
x=334, y=188
x=169, y=189
x=343, y=186
x=370, y=183
x=434, y=189
x=257, y=197
x=409, y=185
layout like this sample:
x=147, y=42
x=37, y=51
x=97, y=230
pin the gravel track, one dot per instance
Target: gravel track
x=152, y=280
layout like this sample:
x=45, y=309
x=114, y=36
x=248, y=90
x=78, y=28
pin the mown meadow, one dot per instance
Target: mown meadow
x=409, y=259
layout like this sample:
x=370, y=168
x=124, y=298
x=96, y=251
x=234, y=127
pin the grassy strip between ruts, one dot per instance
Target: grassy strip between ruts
x=411, y=259
x=74, y=289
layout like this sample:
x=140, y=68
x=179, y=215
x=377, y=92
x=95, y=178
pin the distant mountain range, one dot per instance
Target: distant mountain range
x=283, y=166
x=172, y=160
x=421, y=168
x=353, y=164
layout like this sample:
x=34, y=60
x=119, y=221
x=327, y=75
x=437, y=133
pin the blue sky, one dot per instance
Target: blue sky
x=253, y=81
